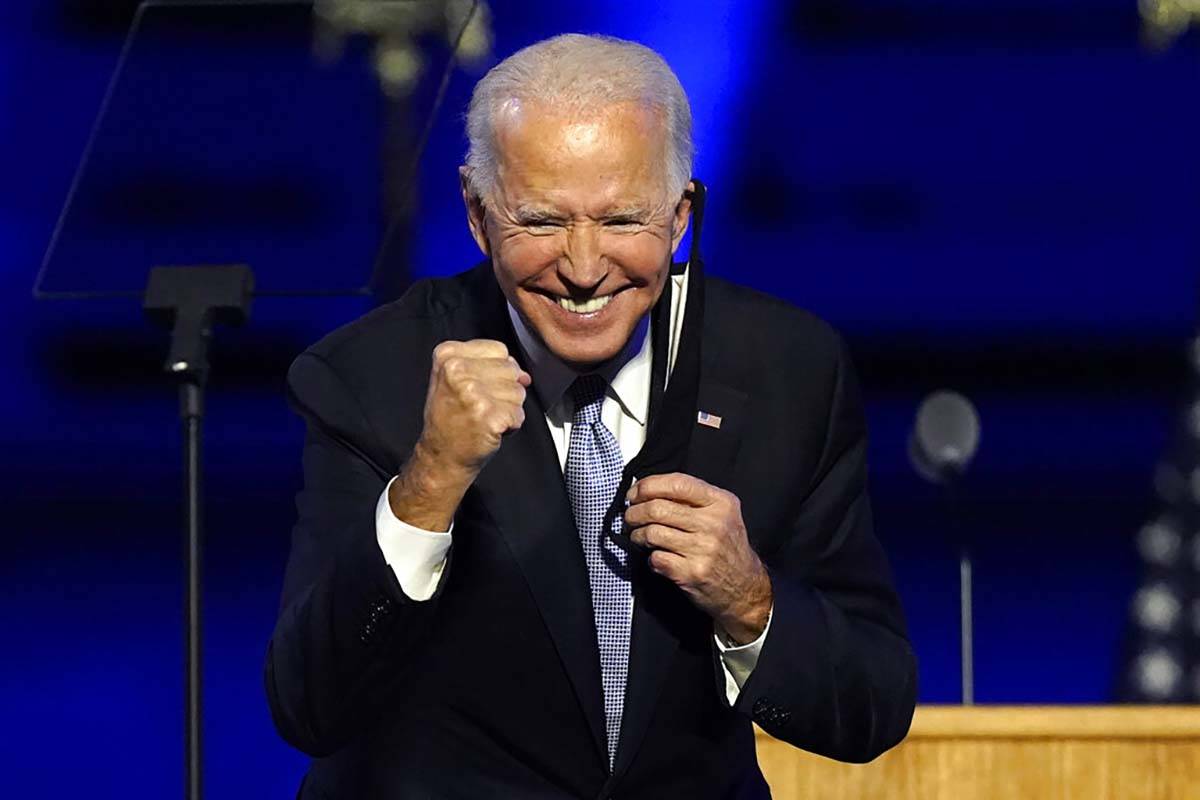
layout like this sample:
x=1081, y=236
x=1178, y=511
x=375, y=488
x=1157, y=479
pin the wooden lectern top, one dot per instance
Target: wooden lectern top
x=998, y=752
x=1056, y=722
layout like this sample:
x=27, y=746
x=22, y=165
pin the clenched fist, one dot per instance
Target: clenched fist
x=476, y=395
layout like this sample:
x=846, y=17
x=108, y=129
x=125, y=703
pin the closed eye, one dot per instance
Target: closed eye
x=541, y=222
x=614, y=222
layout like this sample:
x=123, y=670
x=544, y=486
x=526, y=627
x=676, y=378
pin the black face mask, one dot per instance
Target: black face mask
x=673, y=405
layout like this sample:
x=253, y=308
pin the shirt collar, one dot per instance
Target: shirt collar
x=628, y=374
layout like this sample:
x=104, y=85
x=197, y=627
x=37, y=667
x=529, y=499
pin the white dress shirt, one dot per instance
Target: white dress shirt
x=417, y=556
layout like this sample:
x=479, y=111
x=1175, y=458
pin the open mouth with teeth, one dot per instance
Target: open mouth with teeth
x=589, y=306
x=582, y=331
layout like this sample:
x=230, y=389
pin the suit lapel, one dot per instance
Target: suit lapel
x=523, y=490
x=662, y=615
x=522, y=487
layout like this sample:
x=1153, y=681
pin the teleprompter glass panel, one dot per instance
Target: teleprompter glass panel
x=232, y=132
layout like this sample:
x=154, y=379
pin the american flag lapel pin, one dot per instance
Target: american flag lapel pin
x=711, y=420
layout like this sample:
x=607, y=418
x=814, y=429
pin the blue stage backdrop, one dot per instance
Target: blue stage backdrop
x=999, y=198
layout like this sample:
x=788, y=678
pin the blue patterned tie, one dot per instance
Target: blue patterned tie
x=594, y=467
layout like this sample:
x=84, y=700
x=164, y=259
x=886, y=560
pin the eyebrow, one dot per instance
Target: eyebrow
x=528, y=214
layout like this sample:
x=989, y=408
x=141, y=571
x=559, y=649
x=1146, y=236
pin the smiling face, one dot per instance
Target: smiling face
x=580, y=225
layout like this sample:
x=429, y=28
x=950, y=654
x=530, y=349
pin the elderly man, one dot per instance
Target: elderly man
x=573, y=518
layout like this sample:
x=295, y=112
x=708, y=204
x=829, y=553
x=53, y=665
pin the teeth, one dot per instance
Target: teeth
x=587, y=306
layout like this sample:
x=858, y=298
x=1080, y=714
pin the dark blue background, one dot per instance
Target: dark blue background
x=997, y=197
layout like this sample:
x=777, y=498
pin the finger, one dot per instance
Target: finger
x=459, y=369
x=483, y=371
x=505, y=419
x=669, y=565
x=445, y=349
x=523, y=377
x=508, y=393
x=483, y=348
x=514, y=422
x=662, y=537
x=475, y=348
x=663, y=512
x=450, y=350
x=497, y=397
x=676, y=486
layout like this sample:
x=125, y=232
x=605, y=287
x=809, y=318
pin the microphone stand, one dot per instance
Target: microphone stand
x=966, y=627
x=189, y=301
x=941, y=446
x=966, y=624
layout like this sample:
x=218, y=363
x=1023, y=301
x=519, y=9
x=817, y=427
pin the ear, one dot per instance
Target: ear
x=475, y=211
x=682, y=216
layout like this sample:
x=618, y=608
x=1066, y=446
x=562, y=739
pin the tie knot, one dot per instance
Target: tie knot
x=588, y=393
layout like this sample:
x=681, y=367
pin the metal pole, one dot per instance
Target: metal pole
x=966, y=628
x=191, y=395
x=190, y=300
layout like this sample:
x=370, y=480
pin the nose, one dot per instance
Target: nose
x=583, y=265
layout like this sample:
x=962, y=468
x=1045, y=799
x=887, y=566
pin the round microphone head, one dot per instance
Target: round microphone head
x=945, y=436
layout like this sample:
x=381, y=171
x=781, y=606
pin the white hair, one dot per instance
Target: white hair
x=580, y=74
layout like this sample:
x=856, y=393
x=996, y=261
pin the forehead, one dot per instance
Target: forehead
x=615, y=154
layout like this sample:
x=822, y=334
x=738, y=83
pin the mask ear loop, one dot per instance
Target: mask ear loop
x=698, y=194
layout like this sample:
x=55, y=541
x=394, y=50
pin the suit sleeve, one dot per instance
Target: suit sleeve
x=836, y=675
x=345, y=624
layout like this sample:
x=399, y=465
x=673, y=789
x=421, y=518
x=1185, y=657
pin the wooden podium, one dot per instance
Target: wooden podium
x=1019, y=752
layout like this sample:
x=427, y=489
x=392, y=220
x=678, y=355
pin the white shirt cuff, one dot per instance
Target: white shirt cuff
x=738, y=661
x=416, y=556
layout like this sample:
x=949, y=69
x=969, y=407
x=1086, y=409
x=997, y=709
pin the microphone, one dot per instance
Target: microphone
x=943, y=442
x=944, y=437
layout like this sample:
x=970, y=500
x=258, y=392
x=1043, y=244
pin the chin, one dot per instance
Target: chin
x=586, y=354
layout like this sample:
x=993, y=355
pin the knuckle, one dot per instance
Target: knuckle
x=480, y=408
x=492, y=348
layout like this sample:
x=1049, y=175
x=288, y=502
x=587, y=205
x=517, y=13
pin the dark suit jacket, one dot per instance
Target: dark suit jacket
x=492, y=687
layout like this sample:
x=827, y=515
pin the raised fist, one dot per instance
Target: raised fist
x=476, y=395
